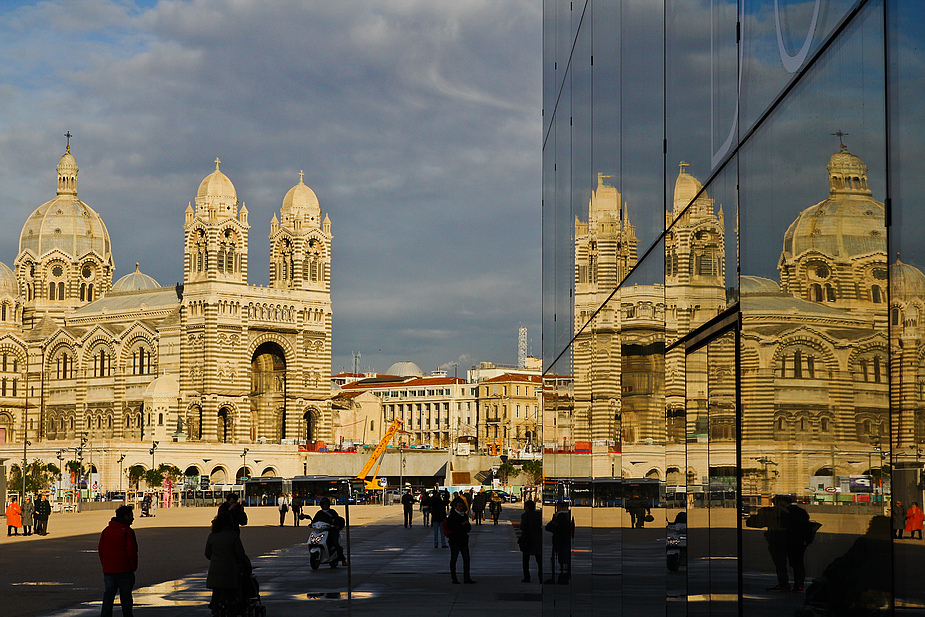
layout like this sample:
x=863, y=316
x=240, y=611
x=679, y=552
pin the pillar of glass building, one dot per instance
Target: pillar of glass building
x=733, y=276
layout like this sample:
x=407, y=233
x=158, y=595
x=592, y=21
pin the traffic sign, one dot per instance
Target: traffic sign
x=383, y=482
x=831, y=489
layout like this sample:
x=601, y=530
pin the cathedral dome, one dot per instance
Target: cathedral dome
x=135, y=281
x=848, y=224
x=8, y=283
x=301, y=201
x=686, y=188
x=906, y=282
x=758, y=286
x=65, y=223
x=405, y=369
x=217, y=186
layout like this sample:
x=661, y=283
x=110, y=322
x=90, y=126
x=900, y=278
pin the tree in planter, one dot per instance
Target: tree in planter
x=533, y=471
x=39, y=476
x=506, y=472
x=135, y=474
x=170, y=471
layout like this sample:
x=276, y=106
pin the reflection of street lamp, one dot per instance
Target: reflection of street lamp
x=764, y=460
x=244, y=467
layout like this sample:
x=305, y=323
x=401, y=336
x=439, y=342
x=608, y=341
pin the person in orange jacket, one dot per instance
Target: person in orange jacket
x=914, y=519
x=13, y=518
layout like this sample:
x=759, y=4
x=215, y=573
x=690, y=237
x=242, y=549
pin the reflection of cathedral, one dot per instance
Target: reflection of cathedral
x=214, y=360
x=813, y=357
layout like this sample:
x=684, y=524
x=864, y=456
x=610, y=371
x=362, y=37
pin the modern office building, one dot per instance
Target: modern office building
x=733, y=283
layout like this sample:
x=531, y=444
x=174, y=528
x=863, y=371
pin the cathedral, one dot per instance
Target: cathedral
x=195, y=367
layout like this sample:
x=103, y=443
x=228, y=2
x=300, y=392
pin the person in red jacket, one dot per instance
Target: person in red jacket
x=118, y=551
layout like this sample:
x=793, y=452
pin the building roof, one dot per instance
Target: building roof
x=514, y=377
x=163, y=297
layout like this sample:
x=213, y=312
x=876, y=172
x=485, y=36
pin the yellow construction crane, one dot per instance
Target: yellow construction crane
x=372, y=484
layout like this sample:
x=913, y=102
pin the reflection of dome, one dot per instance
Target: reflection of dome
x=217, y=185
x=686, y=188
x=906, y=282
x=405, y=369
x=300, y=201
x=849, y=223
x=8, y=283
x=65, y=223
x=135, y=281
x=758, y=286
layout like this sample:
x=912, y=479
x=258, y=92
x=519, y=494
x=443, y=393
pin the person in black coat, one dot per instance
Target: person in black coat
x=458, y=526
x=437, y=516
x=531, y=539
x=562, y=528
x=231, y=505
x=407, y=503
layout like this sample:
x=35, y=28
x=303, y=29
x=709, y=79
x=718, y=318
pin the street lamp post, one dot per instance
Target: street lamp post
x=153, y=448
x=121, y=458
x=60, y=455
x=244, y=467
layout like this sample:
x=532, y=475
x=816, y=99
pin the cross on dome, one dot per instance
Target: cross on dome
x=839, y=133
x=682, y=165
x=68, y=135
x=301, y=175
x=217, y=163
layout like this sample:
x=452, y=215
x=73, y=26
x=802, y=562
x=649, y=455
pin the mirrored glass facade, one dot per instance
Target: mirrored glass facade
x=734, y=270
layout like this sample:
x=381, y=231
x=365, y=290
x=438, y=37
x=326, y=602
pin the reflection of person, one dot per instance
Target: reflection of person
x=458, y=525
x=296, y=509
x=562, y=527
x=637, y=508
x=859, y=582
x=531, y=539
x=899, y=519
x=118, y=550
x=788, y=533
x=914, y=519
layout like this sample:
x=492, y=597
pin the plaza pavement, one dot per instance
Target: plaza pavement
x=392, y=570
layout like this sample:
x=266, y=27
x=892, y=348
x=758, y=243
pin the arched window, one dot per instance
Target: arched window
x=876, y=295
x=3, y=312
x=83, y=291
x=51, y=291
x=60, y=291
x=90, y=292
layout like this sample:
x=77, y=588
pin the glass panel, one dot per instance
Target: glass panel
x=814, y=398
x=907, y=292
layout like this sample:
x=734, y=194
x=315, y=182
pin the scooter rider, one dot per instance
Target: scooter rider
x=329, y=516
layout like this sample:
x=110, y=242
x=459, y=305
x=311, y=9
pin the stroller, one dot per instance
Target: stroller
x=245, y=601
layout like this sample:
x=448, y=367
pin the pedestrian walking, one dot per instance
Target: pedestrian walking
x=425, y=508
x=437, y=516
x=28, y=514
x=296, y=509
x=478, y=506
x=407, y=502
x=282, y=504
x=228, y=563
x=42, y=512
x=531, y=539
x=13, y=518
x=118, y=550
x=562, y=528
x=914, y=519
x=494, y=506
x=638, y=509
x=899, y=520
x=458, y=528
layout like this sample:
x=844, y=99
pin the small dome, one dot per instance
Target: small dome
x=135, y=281
x=8, y=283
x=301, y=201
x=906, y=282
x=758, y=286
x=405, y=369
x=166, y=386
x=216, y=186
x=686, y=188
x=847, y=174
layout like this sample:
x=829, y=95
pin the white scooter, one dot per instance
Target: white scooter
x=318, y=546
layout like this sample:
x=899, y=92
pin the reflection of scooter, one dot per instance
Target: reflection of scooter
x=318, y=549
x=676, y=542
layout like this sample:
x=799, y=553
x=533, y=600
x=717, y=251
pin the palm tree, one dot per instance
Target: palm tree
x=135, y=474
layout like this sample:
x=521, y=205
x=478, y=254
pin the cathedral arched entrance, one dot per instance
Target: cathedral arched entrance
x=224, y=429
x=268, y=392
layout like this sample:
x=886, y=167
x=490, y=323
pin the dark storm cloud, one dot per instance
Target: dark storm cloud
x=416, y=123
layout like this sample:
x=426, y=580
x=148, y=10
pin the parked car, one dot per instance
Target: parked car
x=507, y=497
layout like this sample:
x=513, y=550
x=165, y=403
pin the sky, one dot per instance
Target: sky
x=417, y=124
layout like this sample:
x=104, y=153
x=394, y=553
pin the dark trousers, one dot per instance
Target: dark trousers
x=41, y=526
x=123, y=582
x=782, y=552
x=457, y=549
x=296, y=512
x=409, y=514
x=539, y=566
x=282, y=517
x=915, y=531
